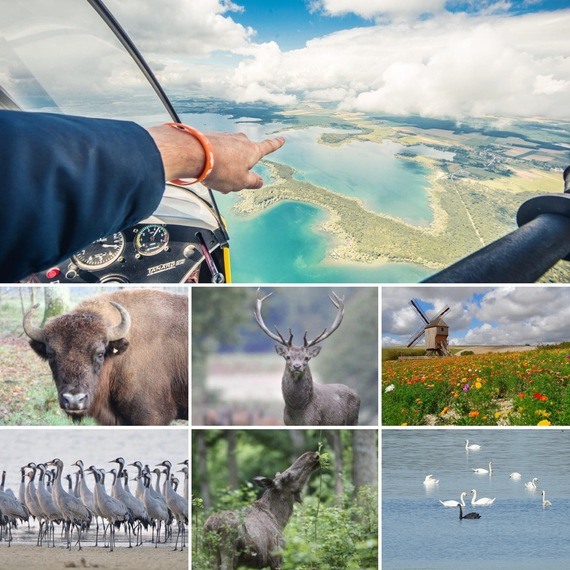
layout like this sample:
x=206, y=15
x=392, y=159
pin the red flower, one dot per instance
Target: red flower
x=540, y=396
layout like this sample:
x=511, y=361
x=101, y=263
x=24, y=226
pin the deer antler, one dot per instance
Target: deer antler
x=257, y=314
x=338, y=302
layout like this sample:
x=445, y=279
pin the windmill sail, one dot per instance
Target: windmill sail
x=414, y=303
x=416, y=336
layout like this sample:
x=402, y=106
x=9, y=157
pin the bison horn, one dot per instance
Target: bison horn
x=119, y=331
x=35, y=333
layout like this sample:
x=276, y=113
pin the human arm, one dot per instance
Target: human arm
x=235, y=155
x=67, y=181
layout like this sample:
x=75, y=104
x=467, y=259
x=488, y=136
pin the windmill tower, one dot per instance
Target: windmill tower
x=435, y=330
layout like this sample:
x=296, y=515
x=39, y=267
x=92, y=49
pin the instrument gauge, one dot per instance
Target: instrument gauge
x=100, y=253
x=151, y=239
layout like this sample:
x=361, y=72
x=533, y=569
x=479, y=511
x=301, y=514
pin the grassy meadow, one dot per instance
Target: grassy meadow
x=516, y=388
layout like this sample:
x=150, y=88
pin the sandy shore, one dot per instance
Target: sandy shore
x=141, y=558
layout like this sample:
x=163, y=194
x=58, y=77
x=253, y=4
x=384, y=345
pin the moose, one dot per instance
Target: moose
x=119, y=357
x=308, y=402
x=253, y=537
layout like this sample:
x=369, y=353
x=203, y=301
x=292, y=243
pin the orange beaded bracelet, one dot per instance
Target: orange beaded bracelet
x=208, y=151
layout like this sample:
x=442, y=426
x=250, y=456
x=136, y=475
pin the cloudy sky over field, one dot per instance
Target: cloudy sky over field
x=480, y=315
x=430, y=57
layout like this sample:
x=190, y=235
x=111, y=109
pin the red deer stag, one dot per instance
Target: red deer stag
x=308, y=403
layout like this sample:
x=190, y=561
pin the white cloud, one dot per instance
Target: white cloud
x=188, y=28
x=509, y=315
x=379, y=8
x=452, y=65
x=448, y=65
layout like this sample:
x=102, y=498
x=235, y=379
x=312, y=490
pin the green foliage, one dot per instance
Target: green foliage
x=394, y=353
x=467, y=353
x=347, y=536
x=561, y=345
x=216, y=312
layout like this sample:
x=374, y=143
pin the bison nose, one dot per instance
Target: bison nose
x=74, y=401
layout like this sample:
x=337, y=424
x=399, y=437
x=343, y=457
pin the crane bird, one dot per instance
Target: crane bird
x=10, y=510
x=52, y=513
x=74, y=511
x=157, y=509
x=136, y=506
x=31, y=499
x=177, y=504
x=112, y=509
x=86, y=496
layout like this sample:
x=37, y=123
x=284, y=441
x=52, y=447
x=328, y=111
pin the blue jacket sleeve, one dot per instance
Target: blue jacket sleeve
x=67, y=181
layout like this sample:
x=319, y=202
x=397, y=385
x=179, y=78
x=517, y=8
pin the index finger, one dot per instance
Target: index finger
x=270, y=145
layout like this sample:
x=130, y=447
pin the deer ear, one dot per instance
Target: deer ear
x=314, y=351
x=280, y=350
x=264, y=482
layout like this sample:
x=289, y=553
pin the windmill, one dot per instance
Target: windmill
x=435, y=330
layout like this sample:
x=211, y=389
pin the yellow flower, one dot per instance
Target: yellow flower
x=498, y=414
x=444, y=411
x=404, y=424
x=543, y=423
x=478, y=385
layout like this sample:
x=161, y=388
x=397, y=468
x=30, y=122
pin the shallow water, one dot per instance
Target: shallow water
x=283, y=243
x=515, y=532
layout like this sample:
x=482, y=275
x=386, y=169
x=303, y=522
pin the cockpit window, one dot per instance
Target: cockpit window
x=60, y=56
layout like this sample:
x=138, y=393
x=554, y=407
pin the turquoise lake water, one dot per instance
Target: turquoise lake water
x=283, y=244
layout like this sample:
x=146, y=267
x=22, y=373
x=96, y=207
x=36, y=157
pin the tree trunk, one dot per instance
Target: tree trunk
x=336, y=444
x=57, y=301
x=231, y=437
x=203, y=468
x=364, y=459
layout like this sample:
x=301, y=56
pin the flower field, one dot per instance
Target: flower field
x=517, y=388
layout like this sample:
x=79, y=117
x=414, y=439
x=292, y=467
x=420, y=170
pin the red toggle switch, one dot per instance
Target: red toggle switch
x=53, y=273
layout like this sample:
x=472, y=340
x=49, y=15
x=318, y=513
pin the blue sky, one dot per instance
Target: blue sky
x=480, y=315
x=434, y=58
x=290, y=23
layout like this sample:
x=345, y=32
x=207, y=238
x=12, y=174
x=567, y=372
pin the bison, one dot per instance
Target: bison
x=121, y=358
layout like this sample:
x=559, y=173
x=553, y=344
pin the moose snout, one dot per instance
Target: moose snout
x=74, y=403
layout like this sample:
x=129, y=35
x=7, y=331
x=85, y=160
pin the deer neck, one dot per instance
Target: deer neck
x=297, y=388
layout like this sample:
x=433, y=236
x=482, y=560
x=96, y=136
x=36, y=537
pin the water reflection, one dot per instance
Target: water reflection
x=95, y=446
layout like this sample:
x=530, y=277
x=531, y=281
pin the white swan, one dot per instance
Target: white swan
x=480, y=470
x=532, y=484
x=452, y=503
x=516, y=476
x=545, y=501
x=429, y=480
x=472, y=447
x=482, y=502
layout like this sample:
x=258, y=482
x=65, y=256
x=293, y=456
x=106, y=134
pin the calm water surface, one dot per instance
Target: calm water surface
x=94, y=446
x=283, y=244
x=515, y=532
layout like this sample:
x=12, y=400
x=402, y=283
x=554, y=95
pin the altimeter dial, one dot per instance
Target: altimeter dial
x=151, y=239
x=100, y=253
